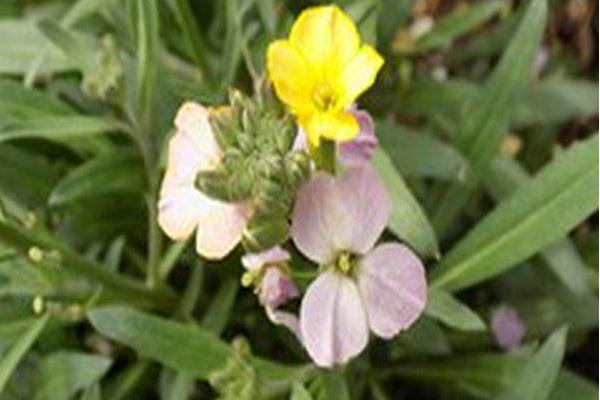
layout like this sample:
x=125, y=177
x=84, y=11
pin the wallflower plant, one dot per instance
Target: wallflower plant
x=241, y=165
x=241, y=200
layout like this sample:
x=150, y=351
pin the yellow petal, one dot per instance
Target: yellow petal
x=291, y=76
x=340, y=127
x=360, y=73
x=326, y=37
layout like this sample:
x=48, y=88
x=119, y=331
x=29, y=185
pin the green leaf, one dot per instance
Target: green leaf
x=219, y=309
x=488, y=113
x=420, y=154
x=76, y=46
x=118, y=171
x=181, y=347
x=300, y=393
x=11, y=359
x=25, y=178
x=484, y=375
x=537, y=378
x=231, y=56
x=504, y=178
x=457, y=24
x=186, y=348
x=59, y=129
x=571, y=386
x=22, y=43
x=64, y=373
x=148, y=42
x=334, y=381
x=408, y=219
x=556, y=200
x=18, y=101
x=425, y=337
x=556, y=100
x=445, y=308
x=82, y=9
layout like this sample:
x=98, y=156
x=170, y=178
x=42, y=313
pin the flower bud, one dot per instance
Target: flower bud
x=276, y=288
x=264, y=233
x=507, y=328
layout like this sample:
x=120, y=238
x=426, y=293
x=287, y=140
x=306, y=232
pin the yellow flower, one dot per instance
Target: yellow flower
x=320, y=70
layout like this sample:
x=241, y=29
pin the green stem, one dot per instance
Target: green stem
x=335, y=383
x=185, y=17
x=325, y=155
x=119, y=286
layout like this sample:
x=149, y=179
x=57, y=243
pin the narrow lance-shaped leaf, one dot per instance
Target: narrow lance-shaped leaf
x=444, y=307
x=188, y=348
x=506, y=176
x=416, y=153
x=118, y=171
x=489, y=111
x=557, y=199
x=539, y=374
x=11, y=359
x=457, y=24
x=408, y=219
x=64, y=373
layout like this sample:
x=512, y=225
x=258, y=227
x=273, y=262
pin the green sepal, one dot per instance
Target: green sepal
x=262, y=233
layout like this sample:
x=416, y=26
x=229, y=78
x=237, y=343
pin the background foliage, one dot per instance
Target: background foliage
x=488, y=148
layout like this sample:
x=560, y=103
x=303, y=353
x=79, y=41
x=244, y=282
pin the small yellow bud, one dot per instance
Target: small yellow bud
x=38, y=304
x=35, y=254
x=247, y=279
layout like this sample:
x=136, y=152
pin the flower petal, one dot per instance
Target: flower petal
x=197, y=139
x=332, y=320
x=359, y=150
x=327, y=38
x=274, y=255
x=221, y=227
x=345, y=213
x=178, y=209
x=365, y=209
x=393, y=286
x=507, y=328
x=312, y=225
x=340, y=126
x=291, y=75
x=286, y=319
x=360, y=73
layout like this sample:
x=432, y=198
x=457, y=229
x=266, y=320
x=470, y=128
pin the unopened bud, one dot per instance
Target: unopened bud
x=35, y=254
x=264, y=233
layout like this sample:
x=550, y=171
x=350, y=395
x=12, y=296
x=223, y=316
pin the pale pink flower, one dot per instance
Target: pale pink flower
x=336, y=223
x=275, y=287
x=182, y=208
x=507, y=328
x=357, y=151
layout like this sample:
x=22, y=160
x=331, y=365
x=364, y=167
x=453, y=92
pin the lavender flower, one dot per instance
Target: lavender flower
x=336, y=222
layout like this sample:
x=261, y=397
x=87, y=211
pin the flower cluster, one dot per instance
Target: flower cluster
x=248, y=173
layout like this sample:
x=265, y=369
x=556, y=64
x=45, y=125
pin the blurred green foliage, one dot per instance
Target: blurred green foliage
x=486, y=113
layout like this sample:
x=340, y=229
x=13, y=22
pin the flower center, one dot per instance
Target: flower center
x=346, y=263
x=325, y=97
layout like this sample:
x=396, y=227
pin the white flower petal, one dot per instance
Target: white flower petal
x=363, y=209
x=333, y=322
x=192, y=122
x=221, y=227
x=178, y=210
x=393, y=287
x=312, y=220
x=337, y=214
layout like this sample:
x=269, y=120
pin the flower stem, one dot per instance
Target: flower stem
x=22, y=240
x=325, y=156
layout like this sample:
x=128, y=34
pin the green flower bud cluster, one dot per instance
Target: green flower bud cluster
x=259, y=165
x=239, y=379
